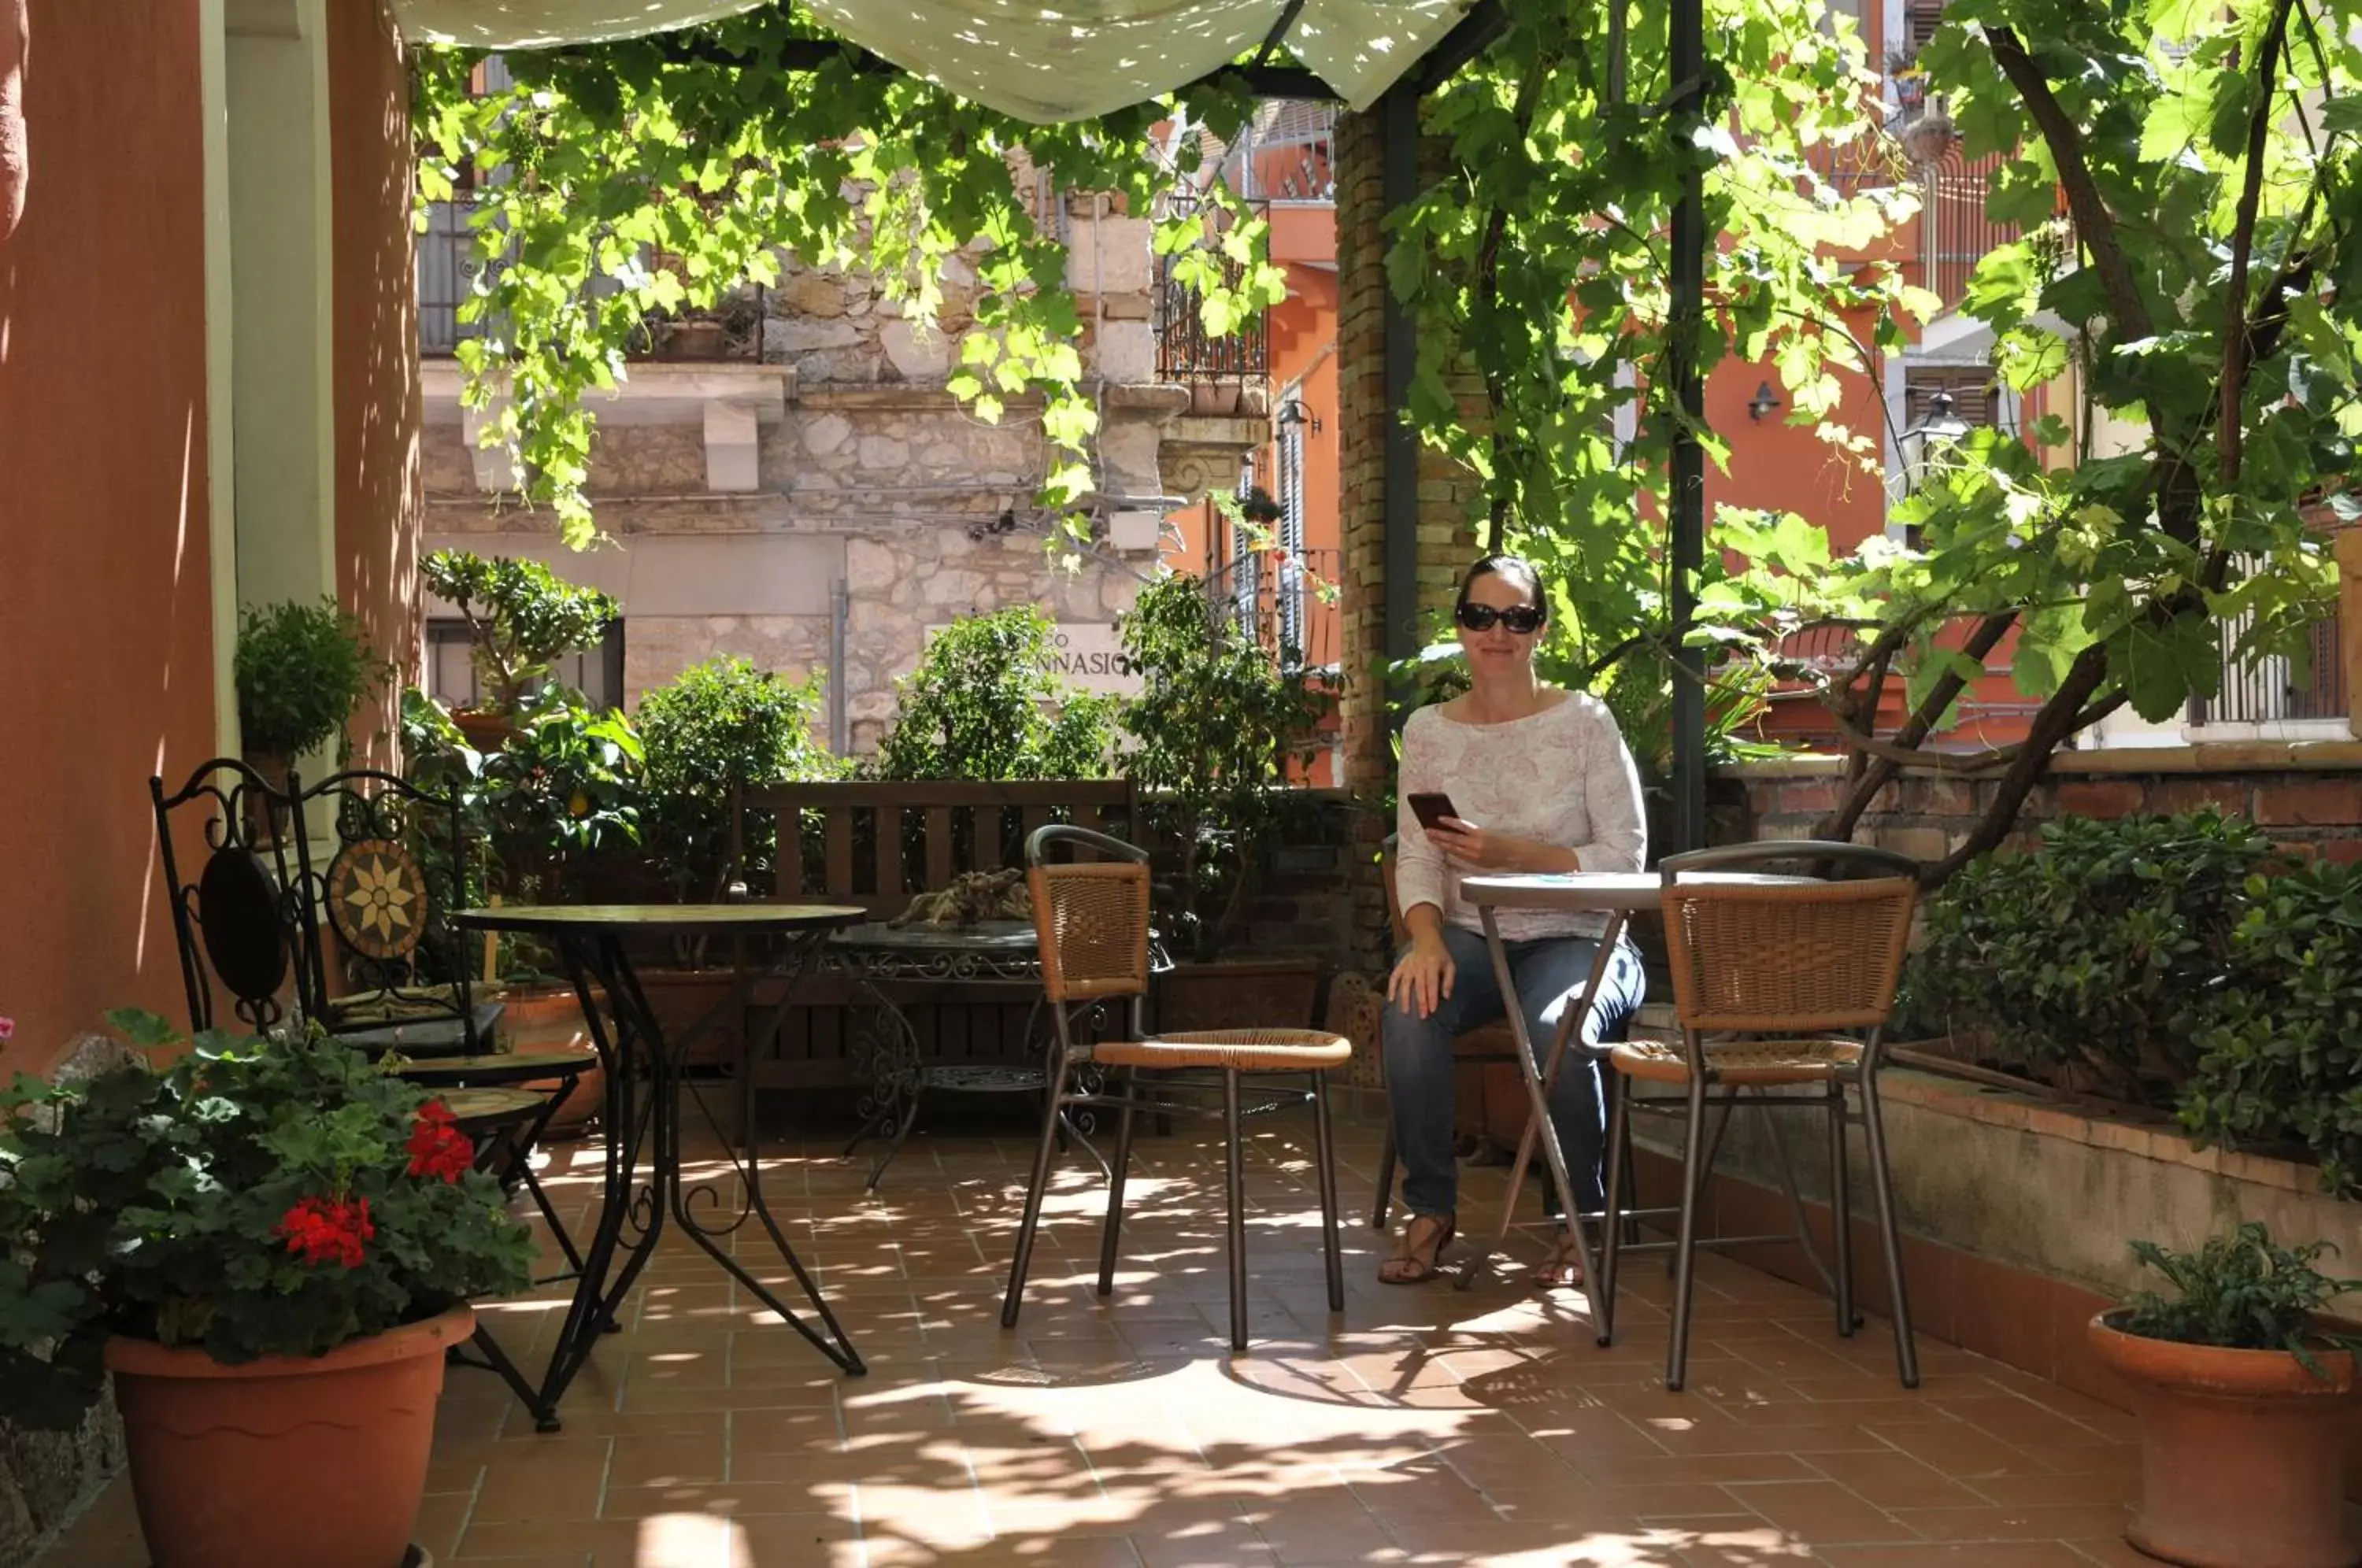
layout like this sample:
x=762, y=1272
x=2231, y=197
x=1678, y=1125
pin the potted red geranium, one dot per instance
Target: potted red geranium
x=268, y=1246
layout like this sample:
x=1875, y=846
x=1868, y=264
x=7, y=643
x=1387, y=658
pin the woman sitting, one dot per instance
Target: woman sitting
x=1538, y=780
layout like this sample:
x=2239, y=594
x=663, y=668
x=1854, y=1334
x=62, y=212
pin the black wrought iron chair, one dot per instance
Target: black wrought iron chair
x=1092, y=919
x=238, y=916
x=1777, y=985
x=384, y=967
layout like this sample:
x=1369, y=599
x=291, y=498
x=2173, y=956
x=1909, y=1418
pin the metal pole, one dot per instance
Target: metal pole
x=1688, y=468
x=1399, y=121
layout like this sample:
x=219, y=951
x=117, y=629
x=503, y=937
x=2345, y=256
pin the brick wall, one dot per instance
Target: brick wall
x=2305, y=794
x=1447, y=499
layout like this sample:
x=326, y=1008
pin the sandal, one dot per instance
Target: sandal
x=1562, y=1270
x=1409, y=1266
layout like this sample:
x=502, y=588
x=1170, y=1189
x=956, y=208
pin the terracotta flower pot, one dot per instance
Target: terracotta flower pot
x=550, y=1018
x=485, y=732
x=2243, y=1452
x=319, y=1460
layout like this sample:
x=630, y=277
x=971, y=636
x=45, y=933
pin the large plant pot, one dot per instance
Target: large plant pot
x=485, y=732
x=1248, y=993
x=2243, y=1452
x=550, y=1018
x=320, y=1461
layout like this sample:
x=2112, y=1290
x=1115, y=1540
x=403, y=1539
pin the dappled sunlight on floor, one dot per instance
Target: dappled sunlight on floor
x=1421, y=1426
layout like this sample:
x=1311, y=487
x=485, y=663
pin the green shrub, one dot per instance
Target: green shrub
x=303, y=671
x=2237, y=1292
x=721, y=724
x=2095, y=956
x=985, y=704
x=2281, y=1048
x=522, y=618
x=1214, y=731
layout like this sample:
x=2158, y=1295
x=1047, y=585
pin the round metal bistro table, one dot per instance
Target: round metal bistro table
x=643, y=1117
x=878, y=960
x=1618, y=895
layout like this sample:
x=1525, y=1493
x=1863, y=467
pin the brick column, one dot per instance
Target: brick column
x=1447, y=497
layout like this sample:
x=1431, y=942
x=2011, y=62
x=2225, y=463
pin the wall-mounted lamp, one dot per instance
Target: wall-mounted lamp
x=1294, y=416
x=1764, y=403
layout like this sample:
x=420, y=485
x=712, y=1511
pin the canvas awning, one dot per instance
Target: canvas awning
x=1042, y=62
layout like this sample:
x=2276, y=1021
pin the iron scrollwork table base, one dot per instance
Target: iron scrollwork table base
x=646, y=1085
x=876, y=959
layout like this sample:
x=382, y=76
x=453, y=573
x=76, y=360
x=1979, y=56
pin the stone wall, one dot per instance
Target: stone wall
x=2306, y=794
x=837, y=449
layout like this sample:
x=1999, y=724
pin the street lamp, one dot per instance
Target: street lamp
x=1926, y=442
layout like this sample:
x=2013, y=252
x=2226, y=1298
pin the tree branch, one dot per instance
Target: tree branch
x=2068, y=709
x=1879, y=772
x=2093, y=222
x=2229, y=429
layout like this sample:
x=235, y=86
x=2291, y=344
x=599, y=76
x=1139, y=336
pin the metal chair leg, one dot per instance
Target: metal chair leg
x=1611, y=1230
x=1384, y=1203
x=1906, y=1350
x=1237, y=1189
x=1677, y=1355
x=1841, y=1212
x=1325, y=1153
x=1033, y=1194
x=1111, y=1234
x=1712, y=1151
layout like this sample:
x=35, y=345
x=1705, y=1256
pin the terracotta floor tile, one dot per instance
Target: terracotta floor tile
x=1418, y=1428
x=1822, y=1513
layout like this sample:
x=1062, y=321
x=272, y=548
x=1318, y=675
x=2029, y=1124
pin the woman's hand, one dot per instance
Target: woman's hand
x=1465, y=844
x=1424, y=977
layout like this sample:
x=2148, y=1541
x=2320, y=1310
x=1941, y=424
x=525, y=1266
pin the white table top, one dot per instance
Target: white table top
x=1593, y=891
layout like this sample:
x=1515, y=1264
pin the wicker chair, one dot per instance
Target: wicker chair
x=1771, y=972
x=1093, y=921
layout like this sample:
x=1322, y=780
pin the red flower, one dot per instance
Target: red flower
x=328, y=1229
x=436, y=1147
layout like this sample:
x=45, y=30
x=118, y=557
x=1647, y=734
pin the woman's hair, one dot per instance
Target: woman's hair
x=1516, y=568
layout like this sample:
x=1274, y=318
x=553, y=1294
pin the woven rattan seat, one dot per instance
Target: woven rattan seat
x=1091, y=919
x=1757, y=1063
x=1241, y=1050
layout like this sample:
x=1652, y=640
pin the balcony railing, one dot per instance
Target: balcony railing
x=1279, y=598
x=447, y=271
x=1955, y=234
x=2267, y=691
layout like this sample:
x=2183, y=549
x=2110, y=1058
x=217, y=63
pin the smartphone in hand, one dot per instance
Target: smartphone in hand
x=1430, y=807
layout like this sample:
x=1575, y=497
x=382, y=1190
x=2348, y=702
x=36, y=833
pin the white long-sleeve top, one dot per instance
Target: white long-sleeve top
x=1562, y=777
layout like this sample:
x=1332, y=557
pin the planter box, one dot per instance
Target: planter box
x=2016, y=1212
x=1250, y=993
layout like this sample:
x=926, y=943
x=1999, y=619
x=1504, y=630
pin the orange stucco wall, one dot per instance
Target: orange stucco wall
x=106, y=603
x=380, y=497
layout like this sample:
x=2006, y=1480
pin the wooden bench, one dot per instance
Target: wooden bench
x=876, y=846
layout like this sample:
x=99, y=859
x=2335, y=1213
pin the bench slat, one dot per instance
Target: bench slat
x=939, y=845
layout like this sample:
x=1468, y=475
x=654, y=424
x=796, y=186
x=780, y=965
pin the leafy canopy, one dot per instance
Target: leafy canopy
x=705, y=145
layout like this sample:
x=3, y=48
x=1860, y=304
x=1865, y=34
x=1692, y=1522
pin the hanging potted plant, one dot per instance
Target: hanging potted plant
x=303, y=672
x=2246, y=1395
x=266, y=1246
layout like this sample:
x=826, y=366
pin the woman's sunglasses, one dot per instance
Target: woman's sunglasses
x=1523, y=619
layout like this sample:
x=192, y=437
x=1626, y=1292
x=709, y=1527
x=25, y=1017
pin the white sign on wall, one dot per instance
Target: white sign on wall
x=1087, y=654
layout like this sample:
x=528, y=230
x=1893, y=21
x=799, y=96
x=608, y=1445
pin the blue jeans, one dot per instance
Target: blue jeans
x=1549, y=973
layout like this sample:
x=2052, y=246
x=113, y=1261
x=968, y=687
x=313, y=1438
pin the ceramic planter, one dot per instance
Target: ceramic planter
x=320, y=1461
x=550, y=1018
x=2243, y=1452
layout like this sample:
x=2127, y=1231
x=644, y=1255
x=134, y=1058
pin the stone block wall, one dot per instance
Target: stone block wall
x=2305, y=794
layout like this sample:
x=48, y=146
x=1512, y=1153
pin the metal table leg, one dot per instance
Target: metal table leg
x=644, y=1086
x=1538, y=1078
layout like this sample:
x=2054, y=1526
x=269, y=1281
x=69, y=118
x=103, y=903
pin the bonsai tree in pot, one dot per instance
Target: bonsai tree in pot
x=303, y=672
x=2246, y=1396
x=269, y=1244
x=1218, y=723
x=522, y=618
